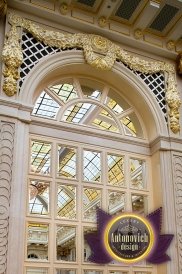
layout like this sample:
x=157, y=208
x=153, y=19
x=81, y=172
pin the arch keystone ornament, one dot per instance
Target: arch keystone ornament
x=129, y=238
x=98, y=52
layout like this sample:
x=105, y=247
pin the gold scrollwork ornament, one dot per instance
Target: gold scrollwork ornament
x=13, y=58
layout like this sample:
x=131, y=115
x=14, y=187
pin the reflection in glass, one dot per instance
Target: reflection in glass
x=90, y=92
x=39, y=198
x=91, y=166
x=91, y=200
x=65, y=271
x=116, y=202
x=115, y=169
x=40, y=157
x=132, y=126
x=137, y=173
x=139, y=204
x=67, y=162
x=37, y=241
x=87, y=250
x=45, y=106
x=142, y=272
x=111, y=103
x=32, y=270
x=91, y=271
x=105, y=121
x=65, y=92
x=77, y=113
x=66, y=201
x=66, y=244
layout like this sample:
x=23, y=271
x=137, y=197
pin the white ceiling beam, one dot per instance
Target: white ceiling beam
x=176, y=32
x=107, y=8
x=147, y=15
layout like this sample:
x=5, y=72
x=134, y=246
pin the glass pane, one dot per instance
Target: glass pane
x=77, y=113
x=66, y=201
x=37, y=241
x=115, y=169
x=139, y=204
x=45, y=106
x=31, y=270
x=132, y=126
x=91, y=89
x=65, y=242
x=65, y=271
x=115, y=102
x=39, y=198
x=65, y=91
x=67, y=162
x=91, y=200
x=104, y=120
x=91, y=166
x=87, y=250
x=116, y=202
x=137, y=173
x=40, y=157
x=91, y=271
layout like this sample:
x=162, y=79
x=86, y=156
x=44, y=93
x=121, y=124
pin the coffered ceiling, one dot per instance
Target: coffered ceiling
x=154, y=25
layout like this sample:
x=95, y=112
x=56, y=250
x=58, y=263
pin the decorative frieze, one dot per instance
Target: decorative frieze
x=177, y=169
x=6, y=161
x=98, y=51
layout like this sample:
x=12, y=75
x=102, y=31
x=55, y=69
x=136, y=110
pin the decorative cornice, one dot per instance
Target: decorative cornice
x=6, y=161
x=98, y=51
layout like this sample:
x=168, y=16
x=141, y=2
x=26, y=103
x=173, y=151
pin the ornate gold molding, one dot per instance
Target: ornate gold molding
x=98, y=51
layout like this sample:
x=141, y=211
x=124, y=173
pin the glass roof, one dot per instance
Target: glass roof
x=108, y=112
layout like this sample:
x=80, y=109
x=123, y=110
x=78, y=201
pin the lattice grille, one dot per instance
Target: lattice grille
x=34, y=50
x=155, y=82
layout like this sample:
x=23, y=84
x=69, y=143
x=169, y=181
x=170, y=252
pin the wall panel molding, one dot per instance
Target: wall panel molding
x=177, y=173
x=7, y=130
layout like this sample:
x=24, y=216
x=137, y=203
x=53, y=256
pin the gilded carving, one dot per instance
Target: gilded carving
x=98, y=51
x=179, y=63
x=12, y=57
x=6, y=160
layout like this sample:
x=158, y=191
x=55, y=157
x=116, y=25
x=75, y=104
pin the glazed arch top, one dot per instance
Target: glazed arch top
x=98, y=52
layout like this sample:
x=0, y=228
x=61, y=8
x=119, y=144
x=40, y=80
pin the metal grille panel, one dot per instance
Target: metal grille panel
x=127, y=8
x=89, y=3
x=164, y=17
x=156, y=84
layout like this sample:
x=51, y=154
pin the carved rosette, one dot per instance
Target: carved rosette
x=6, y=161
x=177, y=169
x=98, y=51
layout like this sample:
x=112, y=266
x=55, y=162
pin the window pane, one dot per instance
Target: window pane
x=65, y=91
x=37, y=241
x=67, y=162
x=66, y=201
x=87, y=250
x=40, y=157
x=39, y=198
x=31, y=270
x=91, y=166
x=65, y=241
x=116, y=202
x=65, y=271
x=45, y=106
x=139, y=204
x=137, y=173
x=115, y=169
x=91, y=200
x=142, y=272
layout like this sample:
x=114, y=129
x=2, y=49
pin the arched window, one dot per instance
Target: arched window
x=85, y=152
